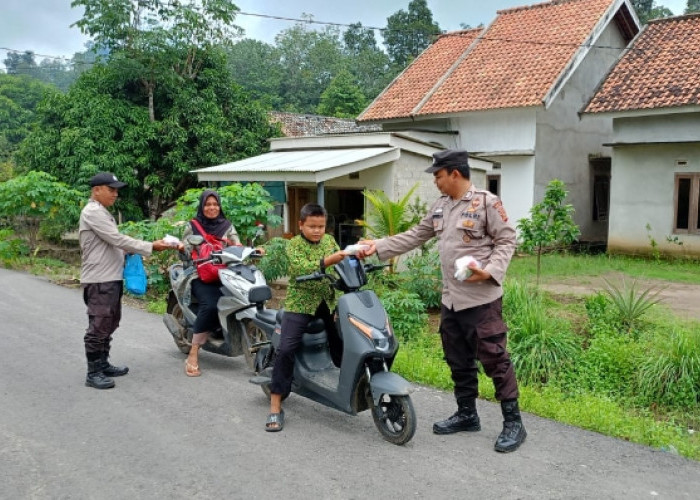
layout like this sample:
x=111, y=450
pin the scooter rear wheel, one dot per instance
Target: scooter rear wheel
x=395, y=418
x=251, y=336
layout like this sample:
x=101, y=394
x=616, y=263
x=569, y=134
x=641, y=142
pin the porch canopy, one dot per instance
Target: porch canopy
x=312, y=165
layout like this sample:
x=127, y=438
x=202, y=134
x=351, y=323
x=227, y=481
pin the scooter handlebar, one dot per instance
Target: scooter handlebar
x=311, y=277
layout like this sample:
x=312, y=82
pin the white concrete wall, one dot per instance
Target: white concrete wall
x=565, y=141
x=497, y=130
x=642, y=193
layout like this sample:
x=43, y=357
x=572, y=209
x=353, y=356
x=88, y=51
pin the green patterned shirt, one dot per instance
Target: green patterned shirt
x=305, y=258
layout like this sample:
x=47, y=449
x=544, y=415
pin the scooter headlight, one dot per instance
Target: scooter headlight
x=379, y=339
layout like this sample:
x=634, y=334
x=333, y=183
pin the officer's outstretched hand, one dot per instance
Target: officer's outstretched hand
x=366, y=252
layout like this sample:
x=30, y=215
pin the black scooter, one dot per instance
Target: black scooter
x=363, y=380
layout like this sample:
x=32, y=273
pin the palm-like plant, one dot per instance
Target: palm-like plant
x=386, y=217
x=630, y=303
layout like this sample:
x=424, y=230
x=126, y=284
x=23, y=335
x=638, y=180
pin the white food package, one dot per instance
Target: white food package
x=462, y=270
x=354, y=249
x=171, y=240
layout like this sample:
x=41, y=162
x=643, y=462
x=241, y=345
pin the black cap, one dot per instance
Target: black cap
x=457, y=158
x=106, y=179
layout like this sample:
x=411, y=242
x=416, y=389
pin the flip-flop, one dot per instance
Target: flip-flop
x=275, y=422
x=192, y=370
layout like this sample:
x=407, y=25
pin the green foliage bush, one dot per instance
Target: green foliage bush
x=406, y=312
x=541, y=344
x=11, y=246
x=274, y=263
x=669, y=374
x=423, y=277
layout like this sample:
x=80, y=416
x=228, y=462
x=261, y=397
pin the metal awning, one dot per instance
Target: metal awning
x=312, y=165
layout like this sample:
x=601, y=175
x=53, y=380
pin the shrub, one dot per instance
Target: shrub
x=424, y=278
x=541, y=345
x=670, y=373
x=11, y=246
x=274, y=263
x=406, y=311
x=631, y=304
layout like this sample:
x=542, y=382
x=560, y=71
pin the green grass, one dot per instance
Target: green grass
x=556, y=267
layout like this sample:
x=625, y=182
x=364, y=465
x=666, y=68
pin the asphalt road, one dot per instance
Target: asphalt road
x=159, y=434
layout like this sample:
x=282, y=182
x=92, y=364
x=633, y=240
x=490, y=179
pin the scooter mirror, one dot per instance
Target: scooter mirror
x=195, y=240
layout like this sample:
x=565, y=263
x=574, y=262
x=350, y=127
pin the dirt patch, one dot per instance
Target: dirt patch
x=681, y=298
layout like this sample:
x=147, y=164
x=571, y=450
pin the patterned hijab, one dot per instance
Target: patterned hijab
x=217, y=226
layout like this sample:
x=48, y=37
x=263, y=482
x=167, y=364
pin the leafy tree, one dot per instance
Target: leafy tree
x=103, y=123
x=692, y=6
x=342, y=98
x=386, y=217
x=648, y=9
x=19, y=98
x=255, y=66
x=550, y=224
x=309, y=60
x=368, y=64
x=156, y=38
x=18, y=63
x=37, y=202
x=408, y=33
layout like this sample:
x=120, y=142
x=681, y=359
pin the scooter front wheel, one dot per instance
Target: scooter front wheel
x=395, y=418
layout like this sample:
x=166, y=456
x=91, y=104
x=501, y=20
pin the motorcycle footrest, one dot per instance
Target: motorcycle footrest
x=260, y=380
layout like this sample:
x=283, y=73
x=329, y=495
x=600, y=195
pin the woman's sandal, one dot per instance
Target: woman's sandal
x=275, y=422
x=192, y=370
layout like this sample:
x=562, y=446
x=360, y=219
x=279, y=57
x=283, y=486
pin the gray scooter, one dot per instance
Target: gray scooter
x=363, y=380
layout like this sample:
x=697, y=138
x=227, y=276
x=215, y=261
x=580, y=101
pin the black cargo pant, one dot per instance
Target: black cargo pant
x=478, y=333
x=104, y=309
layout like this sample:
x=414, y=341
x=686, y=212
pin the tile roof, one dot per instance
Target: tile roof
x=408, y=89
x=302, y=125
x=514, y=62
x=661, y=69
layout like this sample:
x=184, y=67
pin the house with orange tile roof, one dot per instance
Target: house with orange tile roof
x=512, y=93
x=652, y=96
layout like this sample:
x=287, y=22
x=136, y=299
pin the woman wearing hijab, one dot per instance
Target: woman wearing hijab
x=212, y=220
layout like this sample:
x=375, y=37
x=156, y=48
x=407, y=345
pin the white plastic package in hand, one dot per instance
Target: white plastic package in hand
x=354, y=249
x=462, y=270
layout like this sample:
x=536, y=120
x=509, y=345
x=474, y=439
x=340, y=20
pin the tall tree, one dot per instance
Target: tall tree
x=103, y=123
x=20, y=63
x=410, y=32
x=19, y=98
x=648, y=9
x=255, y=65
x=343, y=98
x=153, y=37
x=368, y=64
x=692, y=6
x=309, y=60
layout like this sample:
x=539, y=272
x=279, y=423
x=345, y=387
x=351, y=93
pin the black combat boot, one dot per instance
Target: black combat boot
x=96, y=377
x=513, y=433
x=464, y=419
x=111, y=370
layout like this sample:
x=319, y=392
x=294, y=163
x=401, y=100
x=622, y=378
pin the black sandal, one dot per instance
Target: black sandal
x=275, y=422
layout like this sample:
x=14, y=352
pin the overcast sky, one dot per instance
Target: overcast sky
x=43, y=26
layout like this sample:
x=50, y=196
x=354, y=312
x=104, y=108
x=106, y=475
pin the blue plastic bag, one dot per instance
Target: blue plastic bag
x=134, y=274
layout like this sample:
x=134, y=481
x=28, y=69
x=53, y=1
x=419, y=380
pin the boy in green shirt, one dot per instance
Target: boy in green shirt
x=312, y=249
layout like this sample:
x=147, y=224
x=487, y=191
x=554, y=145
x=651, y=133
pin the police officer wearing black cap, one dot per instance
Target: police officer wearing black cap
x=468, y=222
x=102, y=248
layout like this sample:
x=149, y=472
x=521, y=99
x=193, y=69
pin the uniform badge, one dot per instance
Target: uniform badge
x=468, y=223
x=476, y=202
x=466, y=238
x=501, y=211
x=468, y=196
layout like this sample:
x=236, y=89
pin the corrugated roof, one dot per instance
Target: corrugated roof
x=514, y=63
x=315, y=165
x=661, y=69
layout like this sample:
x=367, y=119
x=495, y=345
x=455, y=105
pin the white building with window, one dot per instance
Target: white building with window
x=653, y=97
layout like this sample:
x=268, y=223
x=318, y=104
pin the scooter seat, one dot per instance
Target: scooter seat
x=315, y=326
x=267, y=315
